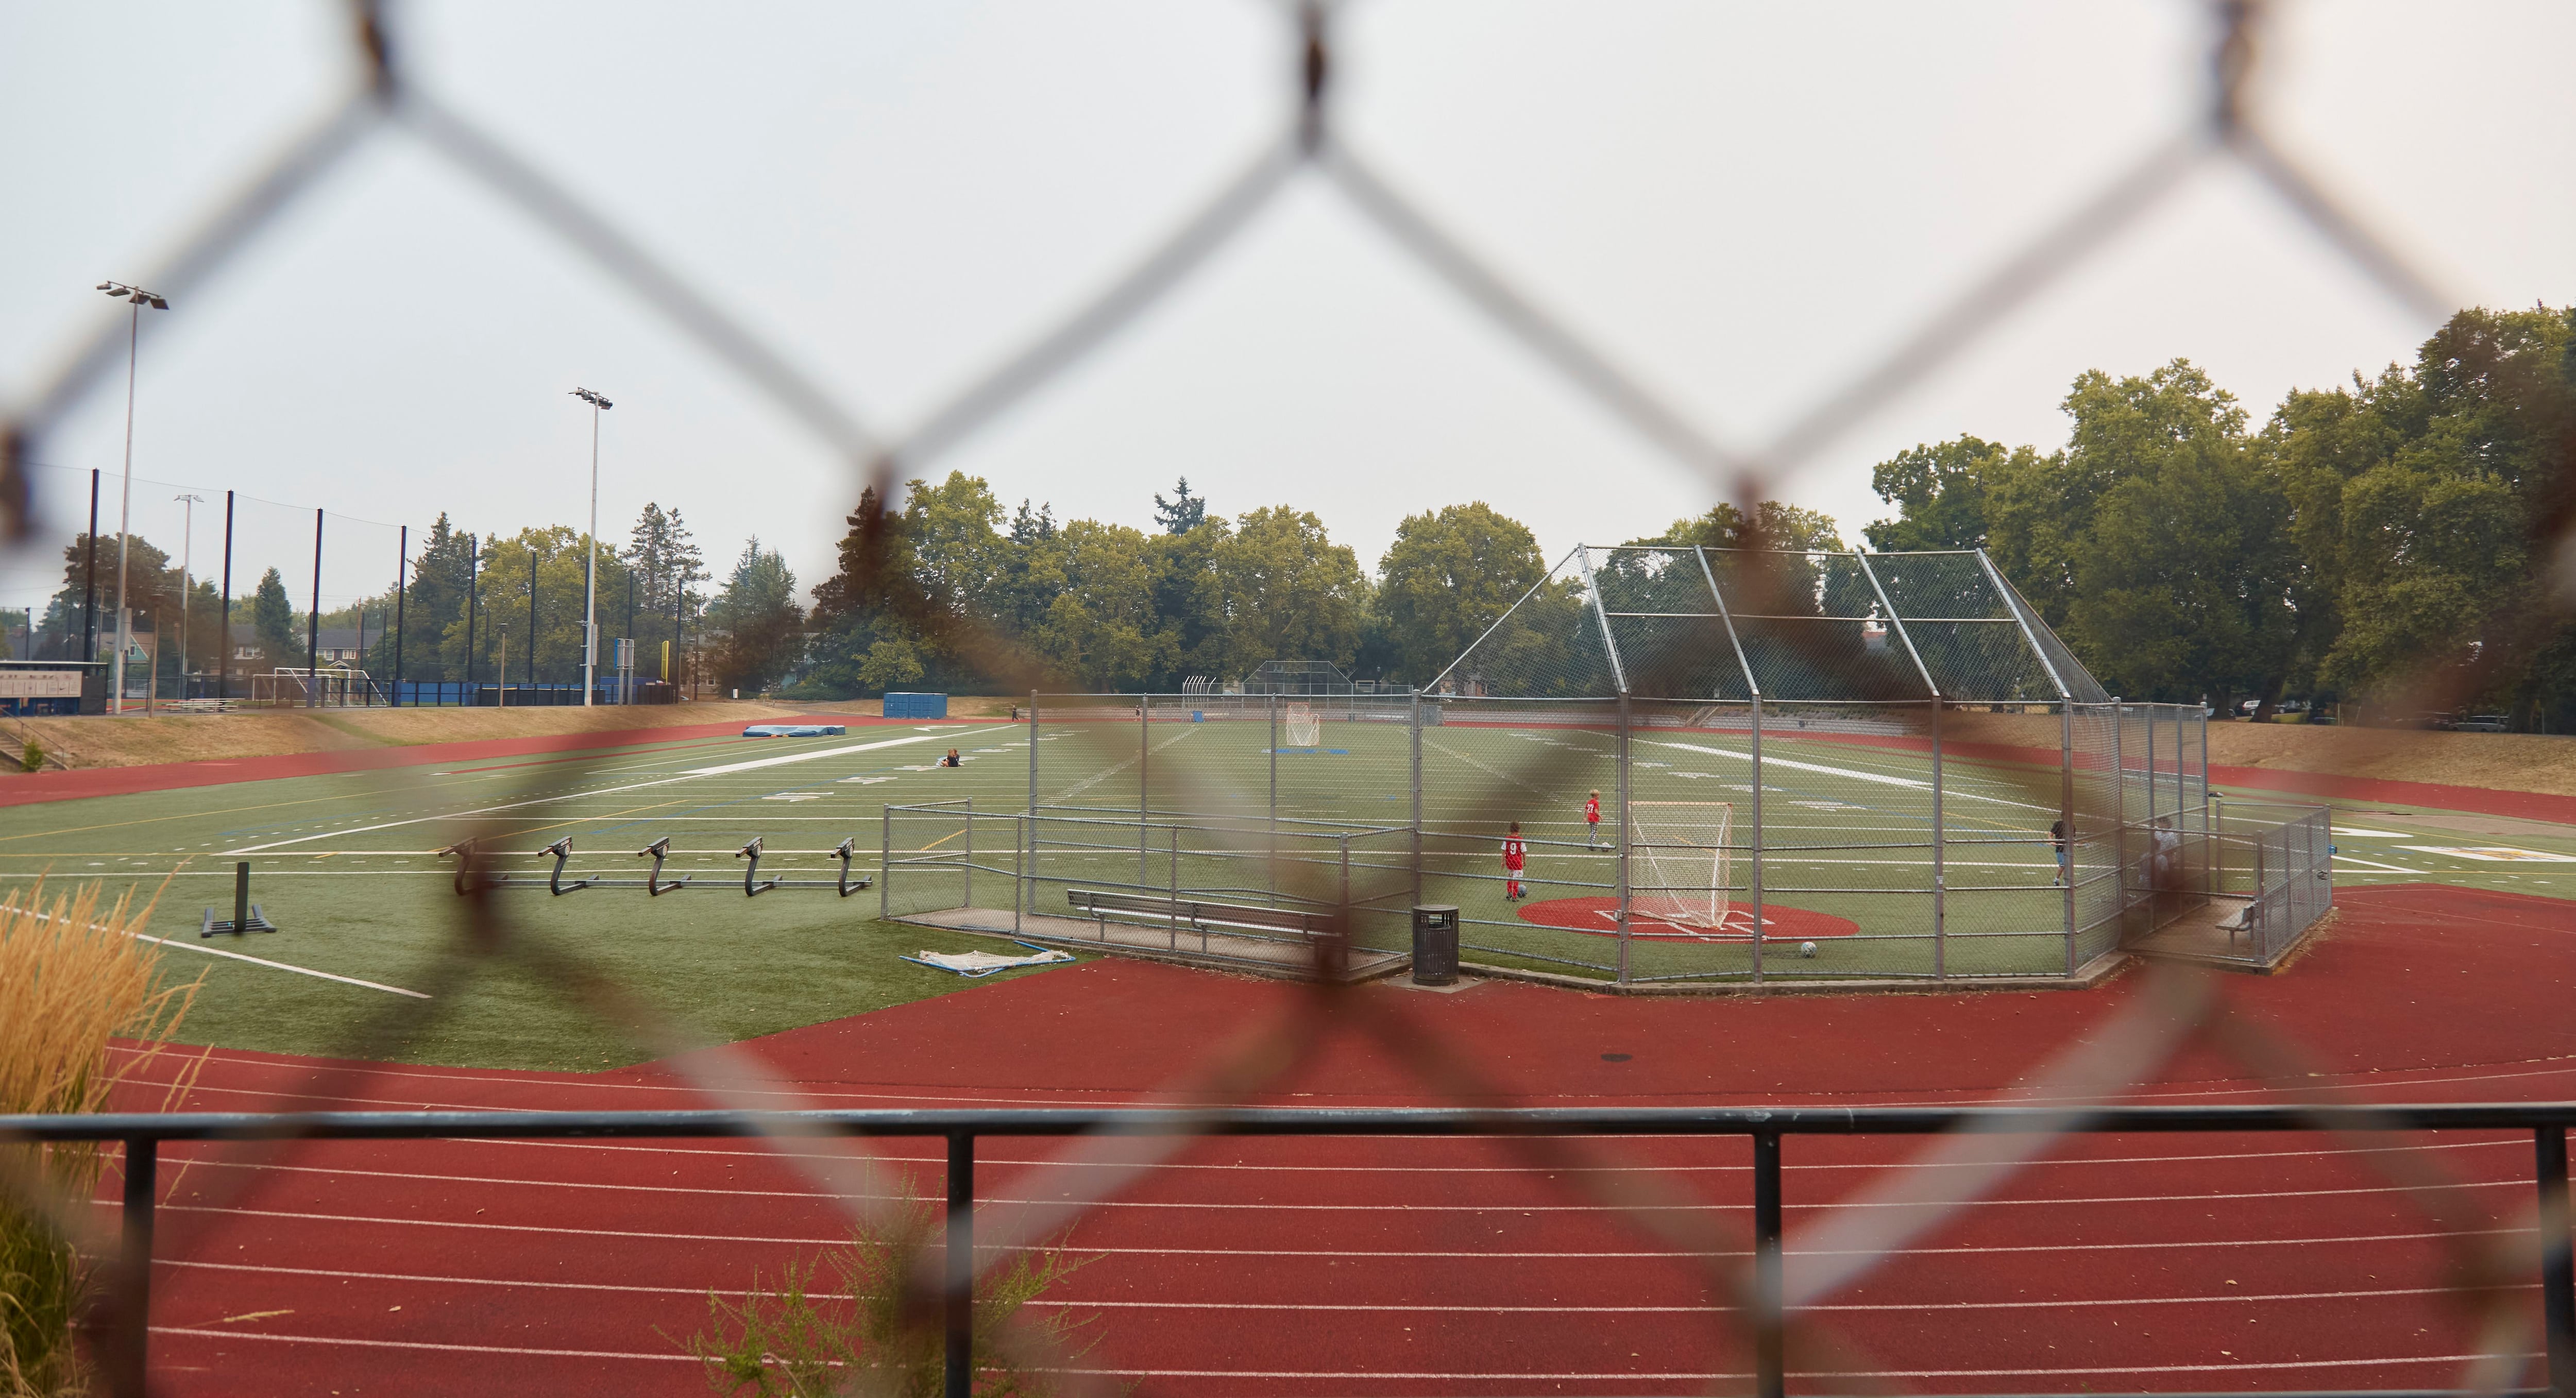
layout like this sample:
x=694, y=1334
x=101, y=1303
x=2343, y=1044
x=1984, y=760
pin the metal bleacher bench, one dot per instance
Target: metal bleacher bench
x=1193, y=914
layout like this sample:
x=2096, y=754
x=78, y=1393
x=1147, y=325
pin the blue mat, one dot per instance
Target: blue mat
x=794, y=730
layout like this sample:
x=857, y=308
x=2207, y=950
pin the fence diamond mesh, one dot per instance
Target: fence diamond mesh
x=1158, y=795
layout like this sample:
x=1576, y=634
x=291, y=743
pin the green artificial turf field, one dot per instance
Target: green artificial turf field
x=346, y=865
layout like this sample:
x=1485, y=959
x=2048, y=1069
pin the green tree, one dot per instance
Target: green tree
x=758, y=630
x=272, y=625
x=1290, y=592
x=1101, y=629
x=1940, y=495
x=1448, y=576
x=1183, y=512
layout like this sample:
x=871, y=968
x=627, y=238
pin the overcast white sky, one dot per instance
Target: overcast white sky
x=1739, y=203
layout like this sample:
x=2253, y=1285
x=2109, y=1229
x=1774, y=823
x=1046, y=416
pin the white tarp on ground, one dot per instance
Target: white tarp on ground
x=985, y=963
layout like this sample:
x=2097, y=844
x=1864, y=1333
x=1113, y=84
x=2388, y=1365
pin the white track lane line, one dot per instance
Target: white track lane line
x=1641, y=1376
x=606, y=790
x=2184, y=1092
x=617, y=1288
x=415, y=1345
x=1728, y=1206
x=1522, y=1171
x=1381, y=1254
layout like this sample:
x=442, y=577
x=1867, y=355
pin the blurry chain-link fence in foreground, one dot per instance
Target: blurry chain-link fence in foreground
x=1339, y=865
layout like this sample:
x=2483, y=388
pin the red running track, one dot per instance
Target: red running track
x=1298, y=1267
x=35, y=788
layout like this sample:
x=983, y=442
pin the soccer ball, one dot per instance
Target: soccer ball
x=1806, y=948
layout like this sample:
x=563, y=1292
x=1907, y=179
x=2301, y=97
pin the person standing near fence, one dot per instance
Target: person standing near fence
x=2065, y=854
x=1592, y=820
x=1515, y=858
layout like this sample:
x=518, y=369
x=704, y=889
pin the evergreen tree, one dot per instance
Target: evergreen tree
x=756, y=630
x=1183, y=512
x=272, y=621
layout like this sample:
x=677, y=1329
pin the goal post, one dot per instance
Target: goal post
x=1682, y=850
x=1298, y=726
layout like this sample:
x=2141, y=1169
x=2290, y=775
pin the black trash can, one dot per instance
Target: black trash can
x=1435, y=945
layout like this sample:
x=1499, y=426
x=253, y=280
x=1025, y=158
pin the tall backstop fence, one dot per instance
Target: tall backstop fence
x=1637, y=842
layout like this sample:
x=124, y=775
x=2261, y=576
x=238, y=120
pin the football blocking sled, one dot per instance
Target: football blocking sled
x=1678, y=858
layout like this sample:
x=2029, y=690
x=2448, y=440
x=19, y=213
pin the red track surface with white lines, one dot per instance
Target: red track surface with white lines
x=1296, y=1267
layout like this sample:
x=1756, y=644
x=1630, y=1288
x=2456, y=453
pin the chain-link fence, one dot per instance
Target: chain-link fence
x=1639, y=842
x=1117, y=784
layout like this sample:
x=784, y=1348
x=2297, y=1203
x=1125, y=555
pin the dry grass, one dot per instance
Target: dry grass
x=71, y=980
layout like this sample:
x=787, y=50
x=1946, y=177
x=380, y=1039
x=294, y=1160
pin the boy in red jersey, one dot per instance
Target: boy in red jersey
x=1515, y=858
x=1592, y=820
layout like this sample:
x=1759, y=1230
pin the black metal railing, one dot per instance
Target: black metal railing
x=143, y=1133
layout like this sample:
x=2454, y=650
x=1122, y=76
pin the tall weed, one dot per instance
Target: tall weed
x=842, y=1322
x=71, y=980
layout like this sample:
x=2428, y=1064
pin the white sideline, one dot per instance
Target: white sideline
x=256, y=961
x=1909, y=782
x=613, y=790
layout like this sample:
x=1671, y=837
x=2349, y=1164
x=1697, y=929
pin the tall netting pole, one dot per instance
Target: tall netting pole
x=1627, y=839
x=312, y=625
x=402, y=561
x=2066, y=818
x=1757, y=838
x=1940, y=909
x=224, y=652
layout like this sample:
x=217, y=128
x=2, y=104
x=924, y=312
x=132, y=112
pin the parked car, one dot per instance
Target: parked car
x=2482, y=723
x=2444, y=722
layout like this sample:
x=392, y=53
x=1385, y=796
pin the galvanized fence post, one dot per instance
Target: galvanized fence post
x=958, y=1308
x=1270, y=709
x=2119, y=818
x=1627, y=840
x=1030, y=869
x=1416, y=781
x=2065, y=853
x=1144, y=783
x=1758, y=927
x=1940, y=900
x=885, y=866
x=967, y=897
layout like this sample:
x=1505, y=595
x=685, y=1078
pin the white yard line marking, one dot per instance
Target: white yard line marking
x=1907, y=782
x=2343, y=859
x=280, y=965
x=257, y=961
x=601, y=791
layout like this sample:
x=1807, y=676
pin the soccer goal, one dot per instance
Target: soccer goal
x=1678, y=861
x=1299, y=727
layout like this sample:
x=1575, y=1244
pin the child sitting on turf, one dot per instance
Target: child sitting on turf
x=1515, y=857
x=951, y=760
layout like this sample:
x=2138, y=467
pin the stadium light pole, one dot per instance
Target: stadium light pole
x=137, y=298
x=187, y=565
x=590, y=557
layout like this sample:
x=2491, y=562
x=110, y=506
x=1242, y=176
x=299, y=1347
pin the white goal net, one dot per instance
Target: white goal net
x=1678, y=861
x=1300, y=728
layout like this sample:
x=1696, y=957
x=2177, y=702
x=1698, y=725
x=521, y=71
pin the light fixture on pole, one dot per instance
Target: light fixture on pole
x=138, y=298
x=187, y=566
x=590, y=557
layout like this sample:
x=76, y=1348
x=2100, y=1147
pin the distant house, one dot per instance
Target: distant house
x=339, y=646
